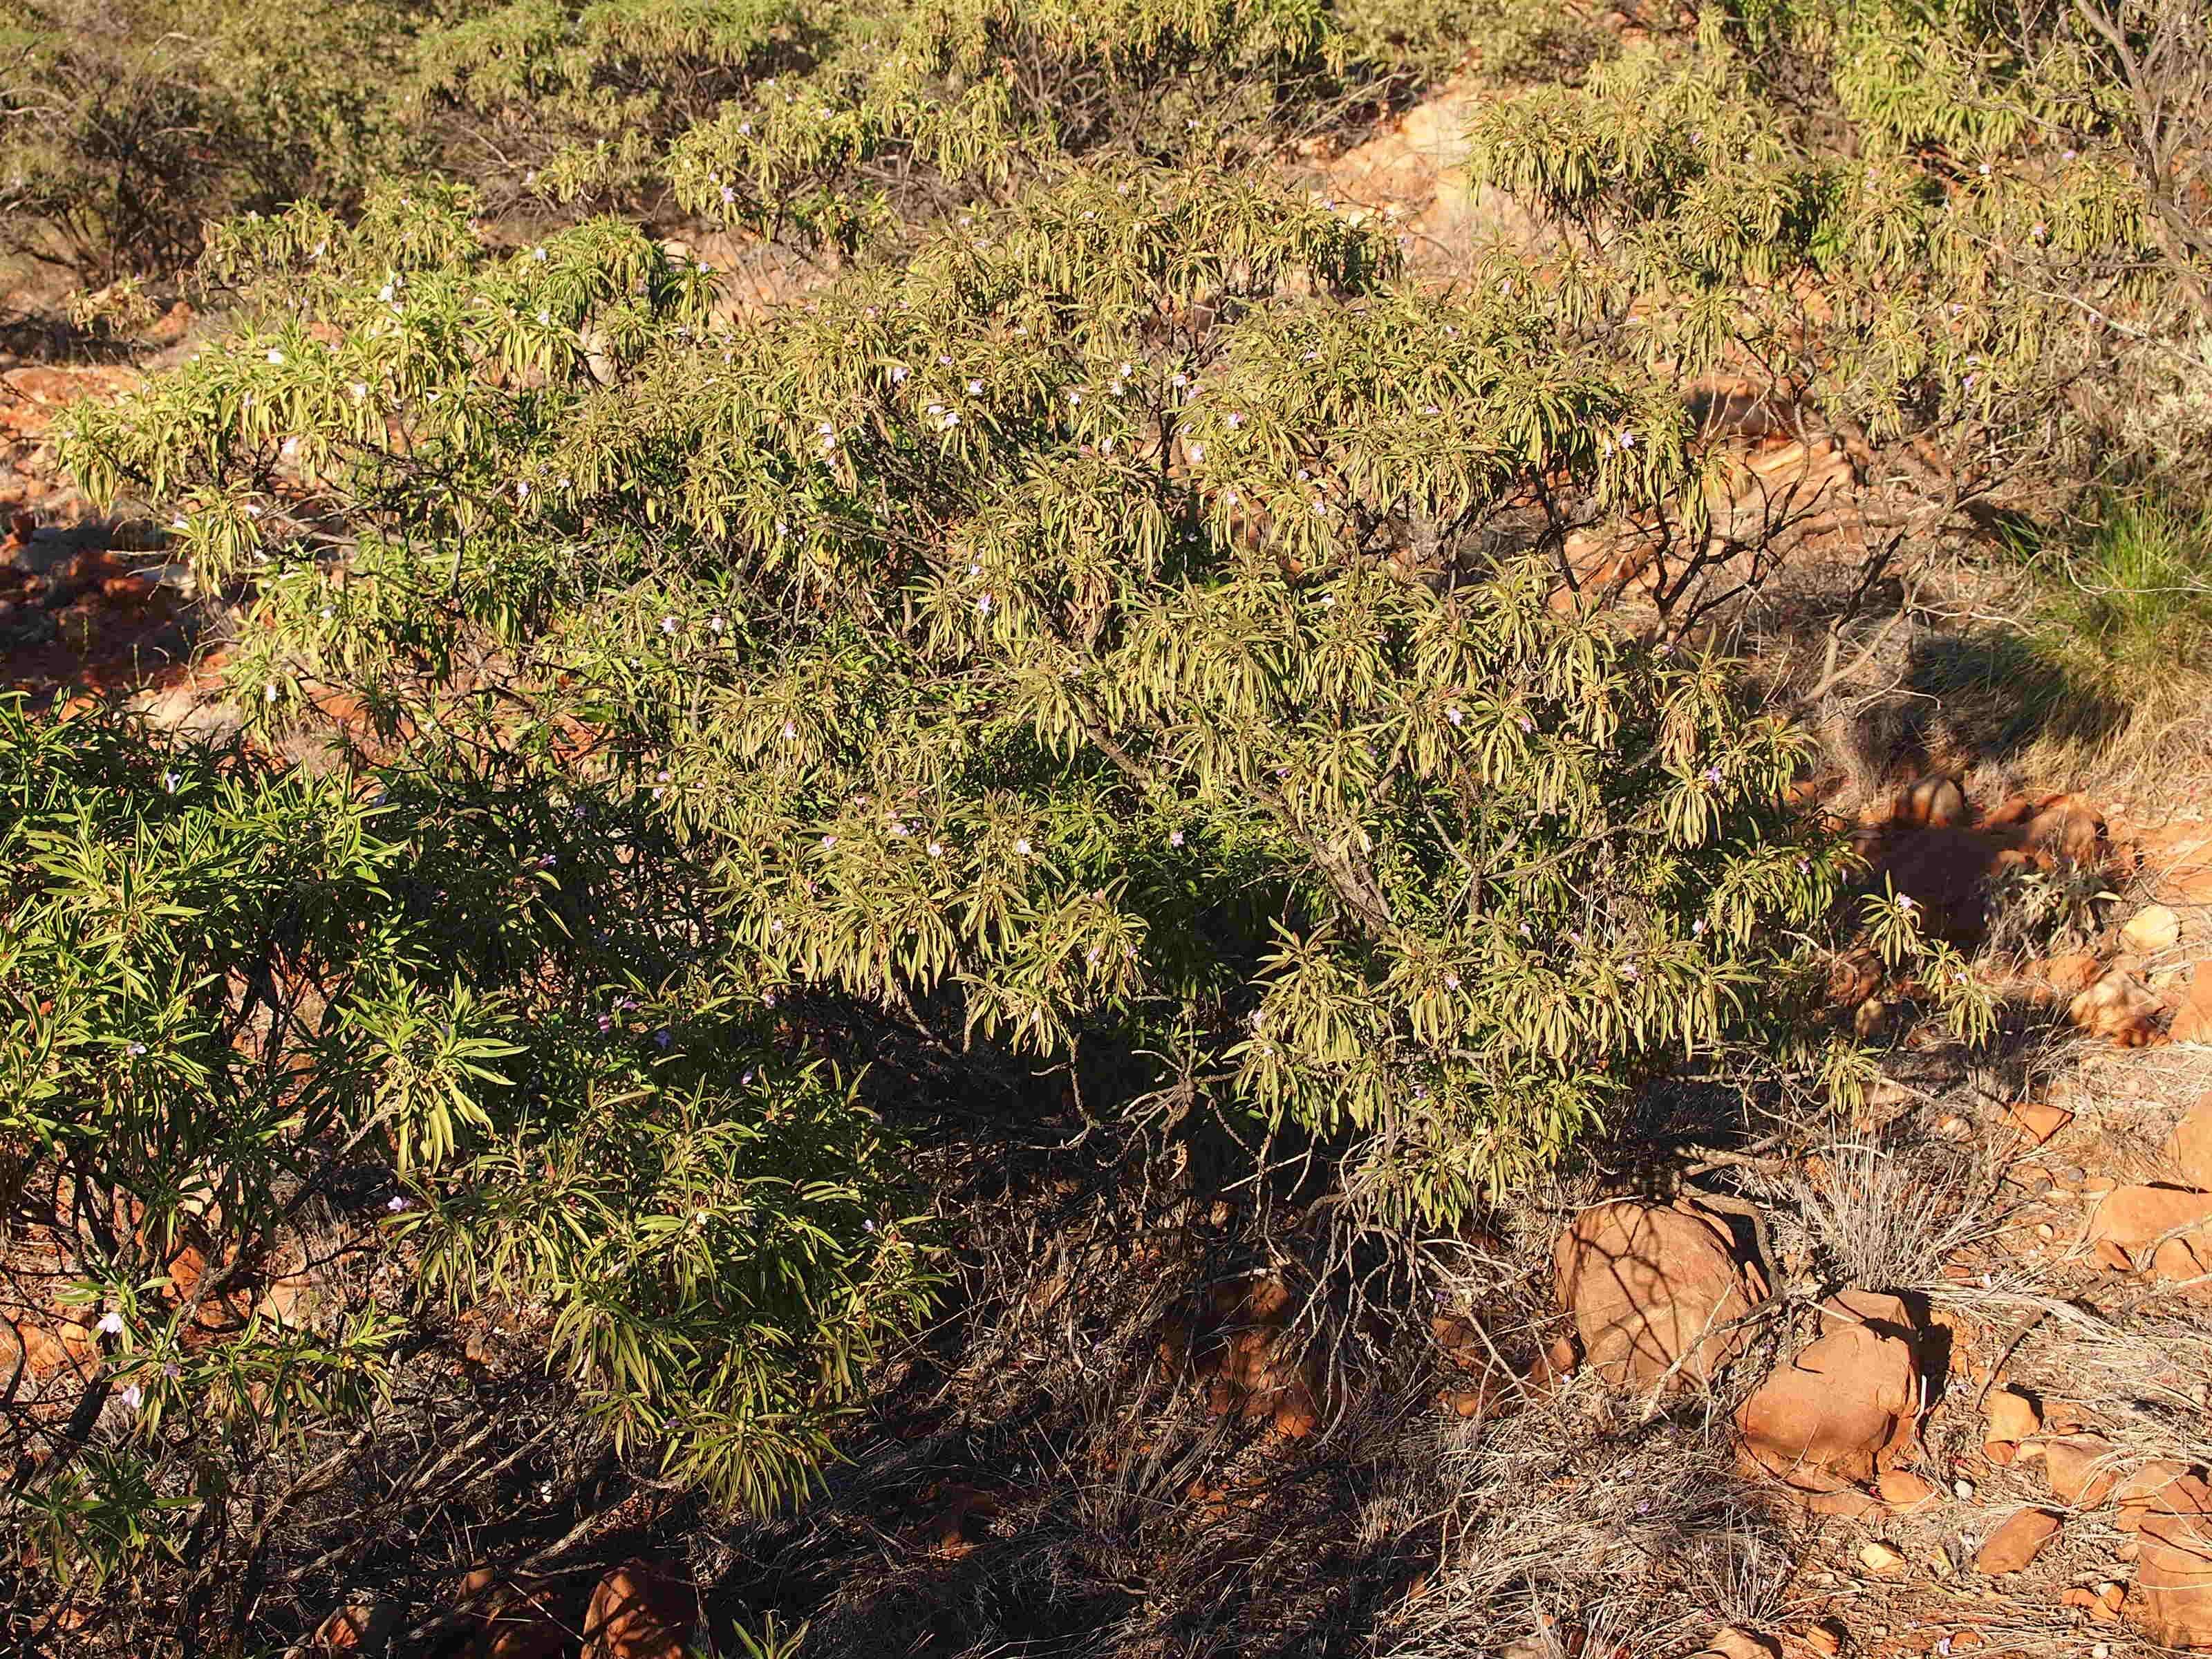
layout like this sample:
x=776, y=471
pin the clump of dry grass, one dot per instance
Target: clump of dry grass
x=1570, y=1516
x=1884, y=1216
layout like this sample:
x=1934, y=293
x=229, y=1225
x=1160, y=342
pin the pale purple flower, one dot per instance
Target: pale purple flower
x=983, y=604
x=111, y=1324
x=399, y=1204
x=829, y=842
x=1712, y=776
x=1023, y=847
x=1454, y=715
x=134, y=1396
x=1175, y=838
x=1905, y=906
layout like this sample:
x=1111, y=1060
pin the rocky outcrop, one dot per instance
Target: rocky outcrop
x=1844, y=1409
x=1657, y=1292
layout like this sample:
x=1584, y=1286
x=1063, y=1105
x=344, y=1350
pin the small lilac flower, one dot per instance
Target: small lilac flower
x=1697, y=928
x=829, y=842
x=1712, y=776
x=111, y=1324
x=137, y=1049
x=1451, y=981
x=668, y=624
x=768, y=998
x=867, y=1226
x=661, y=1037
x=937, y=849
x=399, y=1204
x=607, y=1022
x=1526, y=725
x=276, y=357
x=134, y=1396
x=1630, y=970
x=1023, y=847
x=898, y=373
x=789, y=731
x=1454, y=715
x=974, y=388
x=983, y=604
x=1175, y=838
x=1904, y=904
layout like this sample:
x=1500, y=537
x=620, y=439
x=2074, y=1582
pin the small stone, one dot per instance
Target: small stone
x=2190, y=1146
x=1880, y=1560
x=2018, y=1541
x=1734, y=1642
x=2079, y=1470
x=2046, y=1231
x=2112, y=1256
x=1963, y=1488
x=1823, y=1637
x=2038, y=1124
x=1903, y=1490
x=2150, y=930
x=2012, y=1418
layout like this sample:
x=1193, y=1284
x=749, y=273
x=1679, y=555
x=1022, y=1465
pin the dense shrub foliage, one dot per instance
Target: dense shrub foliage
x=125, y=125
x=1122, y=632
x=294, y=1061
x=1013, y=631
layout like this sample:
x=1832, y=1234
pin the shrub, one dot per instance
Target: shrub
x=298, y=1068
x=1095, y=631
x=126, y=124
x=822, y=122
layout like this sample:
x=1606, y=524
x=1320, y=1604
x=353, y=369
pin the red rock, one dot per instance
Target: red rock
x=2189, y=1147
x=1901, y=1489
x=2018, y=1541
x=2146, y=1489
x=2079, y=1470
x=2039, y=1122
x=2192, y=1022
x=1935, y=800
x=1656, y=1292
x=2069, y=975
x=2170, y=1222
x=359, y=1629
x=1844, y=1410
x=2118, y=1006
x=2173, y=1565
x=639, y=1611
x=2012, y=1418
